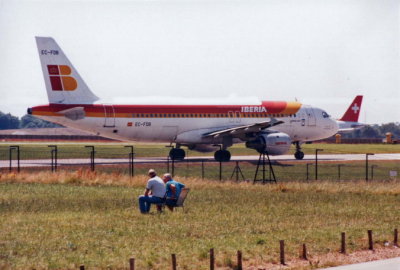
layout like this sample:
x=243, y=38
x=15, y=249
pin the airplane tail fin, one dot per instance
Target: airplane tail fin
x=353, y=112
x=64, y=85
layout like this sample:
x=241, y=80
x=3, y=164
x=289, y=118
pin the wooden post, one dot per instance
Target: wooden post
x=173, y=262
x=304, y=252
x=370, y=242
x=343, y=243
x=282, y=251
x=202, y=169
x=82, y=267
x=239, y=260
x=132, y=264
x=212, y=259
x=395, y=241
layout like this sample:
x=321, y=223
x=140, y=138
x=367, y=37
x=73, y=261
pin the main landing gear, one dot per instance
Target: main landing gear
x=177, y=154
x=222, y=155
x=299, y=154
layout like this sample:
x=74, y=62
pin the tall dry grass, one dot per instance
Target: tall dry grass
x=88, y=178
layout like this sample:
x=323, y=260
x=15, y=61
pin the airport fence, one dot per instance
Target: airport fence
x=122, y=160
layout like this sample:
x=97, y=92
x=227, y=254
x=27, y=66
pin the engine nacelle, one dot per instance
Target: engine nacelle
x=273, y=143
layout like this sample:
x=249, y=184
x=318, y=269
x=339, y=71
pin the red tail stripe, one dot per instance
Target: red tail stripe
x=353, y=112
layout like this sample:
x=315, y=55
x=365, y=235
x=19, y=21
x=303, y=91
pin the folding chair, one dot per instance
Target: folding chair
x=182, y=198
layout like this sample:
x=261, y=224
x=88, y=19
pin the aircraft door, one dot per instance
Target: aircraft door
x=231, y=117
x=312, y=121
x=237, y=115
x=109, y=116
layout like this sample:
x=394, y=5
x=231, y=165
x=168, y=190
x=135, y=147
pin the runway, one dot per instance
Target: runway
x=286, y=158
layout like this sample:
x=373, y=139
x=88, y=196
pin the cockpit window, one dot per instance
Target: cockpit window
x=325, y=115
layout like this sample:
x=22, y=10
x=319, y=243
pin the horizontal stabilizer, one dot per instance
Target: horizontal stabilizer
x=74, y=113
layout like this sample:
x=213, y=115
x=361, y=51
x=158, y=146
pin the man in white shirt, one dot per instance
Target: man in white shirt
x=156, y=187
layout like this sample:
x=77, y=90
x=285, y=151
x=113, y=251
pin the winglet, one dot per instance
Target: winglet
x=353, y=112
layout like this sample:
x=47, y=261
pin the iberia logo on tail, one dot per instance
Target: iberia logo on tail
x=59, y=79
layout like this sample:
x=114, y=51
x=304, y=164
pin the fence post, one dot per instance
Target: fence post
x=10, y=158
x=187, y=162
x=304, y=252
x=370, y=241
x=212, y=261
x=173, y=167
x=12, y=147
x=53, y=152
x=343, y=243
x=91, y=156
x=316, y=162
x=366, y=165
x=339, y=167
x=173, y=261
x=131, y=157
x=282, y=251
x=372, y=171
x=220, y=170
x=82, y=267
x=202, y=169
x=239, y=260
x=395, y=240
x=168, y=164
x=132, y=264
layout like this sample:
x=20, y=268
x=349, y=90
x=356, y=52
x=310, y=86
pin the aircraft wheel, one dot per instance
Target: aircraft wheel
x=222, y=155
x=177, y=154
x=299, y=155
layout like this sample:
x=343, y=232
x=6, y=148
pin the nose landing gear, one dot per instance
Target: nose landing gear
x=299, y=154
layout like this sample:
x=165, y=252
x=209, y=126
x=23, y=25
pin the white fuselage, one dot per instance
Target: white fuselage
x=308, y=124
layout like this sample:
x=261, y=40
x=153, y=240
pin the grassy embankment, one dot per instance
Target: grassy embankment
x=66, y=219
x=117, y=150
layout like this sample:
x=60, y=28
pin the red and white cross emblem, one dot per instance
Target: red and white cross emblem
x=355, y=108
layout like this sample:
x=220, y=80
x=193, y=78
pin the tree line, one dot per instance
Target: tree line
x=9, y=121
x=375, y=131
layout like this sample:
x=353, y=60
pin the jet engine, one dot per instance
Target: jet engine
x=273, y=143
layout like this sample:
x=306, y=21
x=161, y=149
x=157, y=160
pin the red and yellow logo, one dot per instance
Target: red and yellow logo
x=58, y=79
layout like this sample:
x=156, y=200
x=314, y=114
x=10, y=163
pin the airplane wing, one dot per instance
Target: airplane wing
x=235, y=131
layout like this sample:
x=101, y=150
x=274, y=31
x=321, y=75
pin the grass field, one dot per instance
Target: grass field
x=62, y=220
x=117, y=150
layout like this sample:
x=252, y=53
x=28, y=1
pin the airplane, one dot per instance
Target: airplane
x=269, y=127
x=349, y=121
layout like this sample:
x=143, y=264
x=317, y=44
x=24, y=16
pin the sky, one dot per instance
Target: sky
x=321, y=53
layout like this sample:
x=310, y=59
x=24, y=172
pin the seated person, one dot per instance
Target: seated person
x=156, y=187
x=173, y=190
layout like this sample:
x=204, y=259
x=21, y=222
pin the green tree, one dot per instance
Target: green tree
x=8, y=121
x=29, y=121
